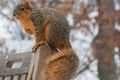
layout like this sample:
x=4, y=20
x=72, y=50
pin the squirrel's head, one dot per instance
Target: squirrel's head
x=22, y=10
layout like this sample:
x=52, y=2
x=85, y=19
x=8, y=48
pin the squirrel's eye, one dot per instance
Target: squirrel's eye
x=22, y=9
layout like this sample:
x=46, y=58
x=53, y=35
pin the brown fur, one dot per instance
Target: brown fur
x=29, y=27
x=61, y=66
x=47, y=25
x=50, y=26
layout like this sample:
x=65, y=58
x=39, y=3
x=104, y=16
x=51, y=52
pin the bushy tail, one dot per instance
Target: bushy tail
x=61, y=66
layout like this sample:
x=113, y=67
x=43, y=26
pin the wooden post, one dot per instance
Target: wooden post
x=37, y=62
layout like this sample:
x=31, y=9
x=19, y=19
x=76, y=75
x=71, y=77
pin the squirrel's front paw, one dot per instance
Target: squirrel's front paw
x=36, y=46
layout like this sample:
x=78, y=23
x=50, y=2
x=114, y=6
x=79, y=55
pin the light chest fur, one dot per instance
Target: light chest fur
x=27, y=25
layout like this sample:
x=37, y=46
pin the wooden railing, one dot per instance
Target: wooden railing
x=24, y=69
x=14, y=66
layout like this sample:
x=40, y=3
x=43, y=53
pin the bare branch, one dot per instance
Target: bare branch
x=6, y=16
x=86, y=67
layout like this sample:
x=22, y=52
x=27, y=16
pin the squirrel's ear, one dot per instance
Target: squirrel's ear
x=27, y=4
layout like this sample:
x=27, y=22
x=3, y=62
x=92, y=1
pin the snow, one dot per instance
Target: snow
x=9, y=33
x=117, y=26
x=70, y=19
x=3, y=29
x=117, y=5
x=117, y=60
x=82, y=46
x=88, y=76
x=116, y=49
x=93, y=14
x=20, y=46
x=16, y=65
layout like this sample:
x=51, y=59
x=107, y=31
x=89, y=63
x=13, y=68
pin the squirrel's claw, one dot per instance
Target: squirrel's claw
x=34, y=48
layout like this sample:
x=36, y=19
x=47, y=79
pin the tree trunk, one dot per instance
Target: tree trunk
x=102, y=44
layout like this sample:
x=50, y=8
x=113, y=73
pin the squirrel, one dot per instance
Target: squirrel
x=49, y=26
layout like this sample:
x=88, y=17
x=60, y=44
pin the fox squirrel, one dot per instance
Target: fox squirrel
x=50, y=26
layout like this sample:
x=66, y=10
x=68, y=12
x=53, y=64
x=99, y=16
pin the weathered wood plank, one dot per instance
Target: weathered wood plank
x=37, y=62
x=7, y=63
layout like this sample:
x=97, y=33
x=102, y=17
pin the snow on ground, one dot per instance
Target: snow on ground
x=20, y=46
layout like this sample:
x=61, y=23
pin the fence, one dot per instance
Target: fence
x=18, y=66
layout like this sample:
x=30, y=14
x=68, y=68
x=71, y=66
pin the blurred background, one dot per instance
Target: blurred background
x=95, y=34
